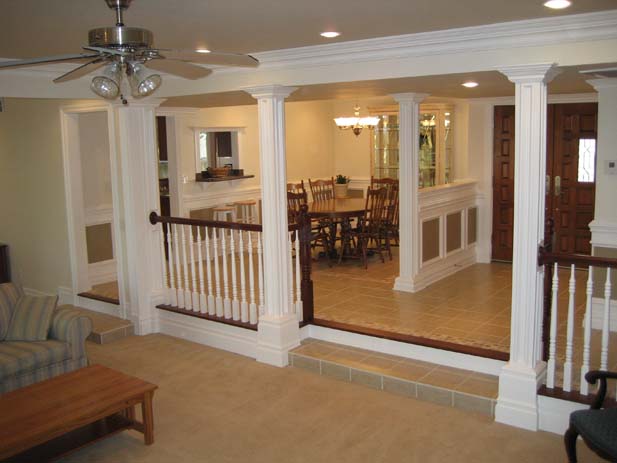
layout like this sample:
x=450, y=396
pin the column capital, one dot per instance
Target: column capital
x=409, y=97
x=598, y=84
x=530, y=73
x=270, y=91
x=137, y=102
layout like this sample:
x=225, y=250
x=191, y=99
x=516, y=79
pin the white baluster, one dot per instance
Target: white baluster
x=587, y=332
x=244, y=306
x=165, y=281
x=291, y=275
x=550, y=373
x=299, y=309
x=200, y=263
x=235, y=302
x=185, y=268
x=178, y=269
x=226, y=300
x=217, y=276
x=173, y=299
x=252, y=305
x=211, y=301
x=260, y=266
x=194, y=293
x=605, y=320
x=567, y=366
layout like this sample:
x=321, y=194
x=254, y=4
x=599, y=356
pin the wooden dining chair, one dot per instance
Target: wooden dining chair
x=385, y=182
x=389, y=226
x=322, y=189
x=319, y=236
x=369, y=226
x=296, y=187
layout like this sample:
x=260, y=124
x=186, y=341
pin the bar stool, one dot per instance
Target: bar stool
x=223, y=213
x=249, y=210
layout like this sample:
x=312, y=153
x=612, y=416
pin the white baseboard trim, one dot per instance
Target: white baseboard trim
x=102, y=272
x=603, y=233
x=554, y=414
x=412, y=351
x=218, y=335
x=445, y=267
x=597, y=314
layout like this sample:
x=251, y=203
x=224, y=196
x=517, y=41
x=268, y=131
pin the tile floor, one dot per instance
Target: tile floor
x=413, y=378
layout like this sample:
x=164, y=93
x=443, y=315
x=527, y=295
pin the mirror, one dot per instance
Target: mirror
x=216, y=148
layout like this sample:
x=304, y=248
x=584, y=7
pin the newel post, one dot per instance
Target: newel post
x=306, y=283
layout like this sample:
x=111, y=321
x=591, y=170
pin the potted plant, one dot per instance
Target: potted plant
x=341, y=184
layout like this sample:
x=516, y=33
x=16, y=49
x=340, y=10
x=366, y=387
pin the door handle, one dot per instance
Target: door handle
x=548, y=184
x=557, y=185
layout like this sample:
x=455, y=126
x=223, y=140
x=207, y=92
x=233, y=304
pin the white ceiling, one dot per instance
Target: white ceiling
x=30, y=28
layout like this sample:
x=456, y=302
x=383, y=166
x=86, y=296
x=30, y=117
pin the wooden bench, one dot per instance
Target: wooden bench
x=54, y=417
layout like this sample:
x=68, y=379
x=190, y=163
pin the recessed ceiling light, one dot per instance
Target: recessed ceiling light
x=470, y=84
x=330, y=35
x=202, y=50
x=557, y=4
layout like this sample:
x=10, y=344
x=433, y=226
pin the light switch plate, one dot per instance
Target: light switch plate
x=610, y=167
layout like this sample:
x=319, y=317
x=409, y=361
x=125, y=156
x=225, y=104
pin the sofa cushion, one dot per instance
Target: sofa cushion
x=9, y=295
x=31, y=318
x=18, y=357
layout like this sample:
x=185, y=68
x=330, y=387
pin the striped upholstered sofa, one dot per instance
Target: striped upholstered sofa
x=26, y=362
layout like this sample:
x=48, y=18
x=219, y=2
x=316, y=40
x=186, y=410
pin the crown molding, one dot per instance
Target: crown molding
x=176, y=111
x=515, y=34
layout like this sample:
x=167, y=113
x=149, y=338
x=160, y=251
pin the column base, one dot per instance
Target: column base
x=275, y=338
x=517, y=404
x=406, y=284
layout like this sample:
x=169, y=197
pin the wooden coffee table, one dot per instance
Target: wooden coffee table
x=54, y=417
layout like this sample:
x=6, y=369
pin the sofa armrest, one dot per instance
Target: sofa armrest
x=71, y=326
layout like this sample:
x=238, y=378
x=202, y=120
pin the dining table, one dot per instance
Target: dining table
x=338, y=210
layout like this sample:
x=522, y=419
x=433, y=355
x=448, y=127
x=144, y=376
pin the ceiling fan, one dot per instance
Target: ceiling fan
x=129, y=50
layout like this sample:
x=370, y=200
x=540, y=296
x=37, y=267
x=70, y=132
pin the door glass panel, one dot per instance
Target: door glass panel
x=587, y=160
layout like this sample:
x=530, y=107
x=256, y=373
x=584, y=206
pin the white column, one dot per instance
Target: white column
x=409, y=238
x=278, y=329
x=604, y=225
x=135, y=135
x=521, y=376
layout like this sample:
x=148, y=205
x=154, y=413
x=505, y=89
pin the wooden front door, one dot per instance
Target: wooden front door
x=570, y=169
x=503, y=183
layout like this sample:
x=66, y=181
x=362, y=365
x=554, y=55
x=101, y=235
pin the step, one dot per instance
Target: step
x=106, y=328
x=415, y=379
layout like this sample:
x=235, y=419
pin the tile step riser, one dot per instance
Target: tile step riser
x=108, y=336
x=389, y=384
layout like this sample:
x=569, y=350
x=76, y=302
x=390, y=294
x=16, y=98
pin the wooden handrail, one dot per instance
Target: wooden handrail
x=545, y=257
x=155, y=218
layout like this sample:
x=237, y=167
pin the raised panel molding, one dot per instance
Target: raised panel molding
x=99, y=215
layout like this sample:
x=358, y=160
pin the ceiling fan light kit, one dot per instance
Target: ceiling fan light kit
x=129, y=51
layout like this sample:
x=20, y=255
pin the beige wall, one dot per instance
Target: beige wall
x=32, y=189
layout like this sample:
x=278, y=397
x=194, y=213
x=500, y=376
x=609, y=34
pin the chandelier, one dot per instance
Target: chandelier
x=356, y=123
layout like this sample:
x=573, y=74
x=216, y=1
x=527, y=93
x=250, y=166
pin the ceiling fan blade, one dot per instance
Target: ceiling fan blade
x=222, y=59
x=81, y=71
x=178, y=68
x=45, y=60
x=107, y=51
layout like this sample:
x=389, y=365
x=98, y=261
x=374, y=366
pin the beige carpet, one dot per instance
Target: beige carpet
x=212, y=406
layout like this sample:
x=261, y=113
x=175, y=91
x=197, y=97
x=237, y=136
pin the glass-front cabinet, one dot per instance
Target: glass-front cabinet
x=435, y=143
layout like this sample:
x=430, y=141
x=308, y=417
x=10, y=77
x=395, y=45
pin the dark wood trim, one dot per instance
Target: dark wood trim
x=155, y=218
x=206, y=316
x=546, y=257
x=96, y=297
x=201, y=178
x=409, y=339
x=574, y=396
